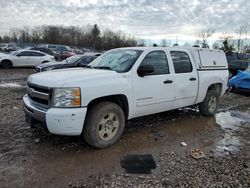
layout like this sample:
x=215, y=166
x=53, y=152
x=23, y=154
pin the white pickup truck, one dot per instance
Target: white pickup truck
x=125, y=83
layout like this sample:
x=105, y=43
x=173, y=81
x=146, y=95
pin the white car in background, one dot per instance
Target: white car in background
x=6, y=47
x=25, y=58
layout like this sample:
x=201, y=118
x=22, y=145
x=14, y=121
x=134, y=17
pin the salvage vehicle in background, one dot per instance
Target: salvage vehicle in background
x=235, y=63
x=73, y=61
x=122, y=84
x=241, y=82
x=25, y=58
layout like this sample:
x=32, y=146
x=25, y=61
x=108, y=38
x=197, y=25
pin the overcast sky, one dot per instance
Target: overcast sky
x=148, y=19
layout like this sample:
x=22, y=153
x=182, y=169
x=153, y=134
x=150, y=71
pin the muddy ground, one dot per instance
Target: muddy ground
x=33, y=158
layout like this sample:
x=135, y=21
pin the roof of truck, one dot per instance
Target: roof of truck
x=170, y=48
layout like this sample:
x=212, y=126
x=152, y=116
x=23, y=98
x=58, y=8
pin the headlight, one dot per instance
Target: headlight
x=66, y=97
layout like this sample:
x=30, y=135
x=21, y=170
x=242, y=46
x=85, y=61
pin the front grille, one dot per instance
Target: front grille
x=39, y=95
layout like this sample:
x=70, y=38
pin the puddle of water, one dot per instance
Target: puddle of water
x=10, y=85
x=230, y=122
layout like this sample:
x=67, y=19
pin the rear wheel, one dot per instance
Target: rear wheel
x=6, y=64
x=104, y=125
x=210, y=104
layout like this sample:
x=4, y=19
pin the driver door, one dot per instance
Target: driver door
x=154, y=92
x=22, y=59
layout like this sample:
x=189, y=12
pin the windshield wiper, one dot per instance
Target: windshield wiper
x=103, y=67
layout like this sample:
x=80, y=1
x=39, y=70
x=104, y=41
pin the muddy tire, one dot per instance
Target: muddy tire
x=210, y=104
x=6, y=64
x=104, y=125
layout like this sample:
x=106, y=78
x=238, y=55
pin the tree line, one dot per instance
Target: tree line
x=88, y=36
x=237, y=42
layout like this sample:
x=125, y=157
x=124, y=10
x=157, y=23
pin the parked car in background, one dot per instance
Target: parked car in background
x=6, y=47
x=77, y=51
x=61, y=52
x=26, y=58
x=2, y=54
x=241, y=82
x=44, y=50
x=66, y=54
x=235, y=63
x=73, y=61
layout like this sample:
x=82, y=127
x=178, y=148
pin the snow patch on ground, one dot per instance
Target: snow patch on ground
x=226, y=121
x=7, y=85
x=230, y=122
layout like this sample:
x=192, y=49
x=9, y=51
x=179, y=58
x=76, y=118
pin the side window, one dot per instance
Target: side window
x=181, y=61
x=37, y=54
x=24, y=53
x=158, y=60
x=85, y=60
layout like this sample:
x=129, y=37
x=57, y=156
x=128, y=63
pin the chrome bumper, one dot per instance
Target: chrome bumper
x=32, y=111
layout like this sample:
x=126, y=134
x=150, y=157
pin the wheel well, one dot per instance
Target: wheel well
x=6, y=60
x=120, y=100
x=217, y=87
x=45, y=62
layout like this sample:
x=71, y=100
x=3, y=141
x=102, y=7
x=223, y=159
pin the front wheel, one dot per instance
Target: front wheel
x=210, y=104
x=104, y=125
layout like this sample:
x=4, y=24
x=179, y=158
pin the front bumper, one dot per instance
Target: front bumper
x=60, y=121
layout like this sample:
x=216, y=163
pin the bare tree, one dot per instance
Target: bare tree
x=226, y=43
x=242, y=39
x=163, y=42
x=141, y=42
x=204, y=35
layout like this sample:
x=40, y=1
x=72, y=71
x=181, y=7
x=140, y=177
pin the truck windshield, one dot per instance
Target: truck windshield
x=120, y=60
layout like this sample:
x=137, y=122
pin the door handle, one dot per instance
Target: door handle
x=192, y=79
x=168, y=81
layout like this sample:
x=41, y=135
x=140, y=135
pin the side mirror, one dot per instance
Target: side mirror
x=145, y=69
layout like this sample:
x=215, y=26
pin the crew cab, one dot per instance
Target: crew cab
x=96, y=101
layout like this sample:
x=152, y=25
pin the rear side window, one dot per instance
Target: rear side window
x=37, y=54
x=86, y=59
x=181, y=61
x=158, y=60
x=25, y=53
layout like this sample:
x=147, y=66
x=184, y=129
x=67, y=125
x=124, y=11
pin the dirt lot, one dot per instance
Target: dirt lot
x=33, y=158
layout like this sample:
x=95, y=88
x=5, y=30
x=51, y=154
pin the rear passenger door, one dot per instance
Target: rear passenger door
x=36, y=58
x=186, y=79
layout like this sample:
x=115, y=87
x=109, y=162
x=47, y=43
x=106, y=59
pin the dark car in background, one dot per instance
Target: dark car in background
x=44, y=50
x=236, y=62
x=73, y=61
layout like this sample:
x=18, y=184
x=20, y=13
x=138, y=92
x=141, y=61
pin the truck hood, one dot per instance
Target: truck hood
x=73, y=77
